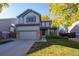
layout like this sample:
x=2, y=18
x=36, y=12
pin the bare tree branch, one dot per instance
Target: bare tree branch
x=71, y=7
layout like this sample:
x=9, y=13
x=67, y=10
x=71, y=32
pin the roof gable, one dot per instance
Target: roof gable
x=28, y=11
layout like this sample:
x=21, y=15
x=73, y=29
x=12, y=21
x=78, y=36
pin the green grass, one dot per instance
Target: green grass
x=55, y=47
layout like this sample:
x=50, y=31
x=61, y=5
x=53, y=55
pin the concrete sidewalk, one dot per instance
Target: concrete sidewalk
x=16, y=48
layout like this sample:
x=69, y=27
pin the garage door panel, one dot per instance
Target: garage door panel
x=28, y=28
x=28, y=35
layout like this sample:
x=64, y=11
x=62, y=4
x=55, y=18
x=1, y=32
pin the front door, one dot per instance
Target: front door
x=43, y=32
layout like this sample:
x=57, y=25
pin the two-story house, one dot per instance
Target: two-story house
x=29, y=25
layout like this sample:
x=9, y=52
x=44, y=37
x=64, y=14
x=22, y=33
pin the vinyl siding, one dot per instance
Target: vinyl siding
x=6, y=23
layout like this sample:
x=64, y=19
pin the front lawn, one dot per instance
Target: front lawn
x=55, y=47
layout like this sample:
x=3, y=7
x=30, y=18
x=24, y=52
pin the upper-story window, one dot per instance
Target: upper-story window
x=47, y=24
x=31, y=19
x=43, y=24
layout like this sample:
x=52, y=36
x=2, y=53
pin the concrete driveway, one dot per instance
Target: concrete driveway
x=16, y=48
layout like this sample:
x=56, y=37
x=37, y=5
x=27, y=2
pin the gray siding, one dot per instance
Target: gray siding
x=22, y=20
x=6, y=23
x=75, y=29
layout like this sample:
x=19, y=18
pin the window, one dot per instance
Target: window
x=31, y=19
x=47, y=24
x=43, y=24
x=50, y=23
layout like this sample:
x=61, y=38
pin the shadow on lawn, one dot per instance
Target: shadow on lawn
x=63, y=42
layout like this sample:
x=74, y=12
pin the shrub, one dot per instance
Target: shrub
x=70, y=35
x=56, y=37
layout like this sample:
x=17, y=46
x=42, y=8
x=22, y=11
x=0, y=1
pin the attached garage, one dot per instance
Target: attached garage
x=30, y=35
x=26, y=32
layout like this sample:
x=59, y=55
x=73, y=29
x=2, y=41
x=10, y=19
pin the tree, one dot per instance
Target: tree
x=2, y=6
x=45, y=18
x=68, y=11
x=57, y=22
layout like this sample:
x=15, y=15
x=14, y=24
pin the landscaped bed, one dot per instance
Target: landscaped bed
x=55, y=47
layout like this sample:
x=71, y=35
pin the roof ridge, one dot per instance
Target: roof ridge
x=28, y=10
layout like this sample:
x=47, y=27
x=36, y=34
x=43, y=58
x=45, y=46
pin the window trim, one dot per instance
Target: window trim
x=31, y=19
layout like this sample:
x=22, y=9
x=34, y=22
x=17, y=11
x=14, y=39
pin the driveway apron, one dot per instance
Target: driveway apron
x=16, y=48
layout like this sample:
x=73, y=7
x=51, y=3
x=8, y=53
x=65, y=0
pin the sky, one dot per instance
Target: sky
x=16, y=9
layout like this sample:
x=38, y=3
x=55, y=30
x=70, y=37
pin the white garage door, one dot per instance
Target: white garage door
x=28, y=35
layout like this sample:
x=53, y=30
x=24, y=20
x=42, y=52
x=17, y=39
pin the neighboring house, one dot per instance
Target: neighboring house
x=29, y=25
x=74, y=28
x=6, y=23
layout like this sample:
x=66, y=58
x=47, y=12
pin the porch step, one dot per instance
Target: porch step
x=42, y=40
